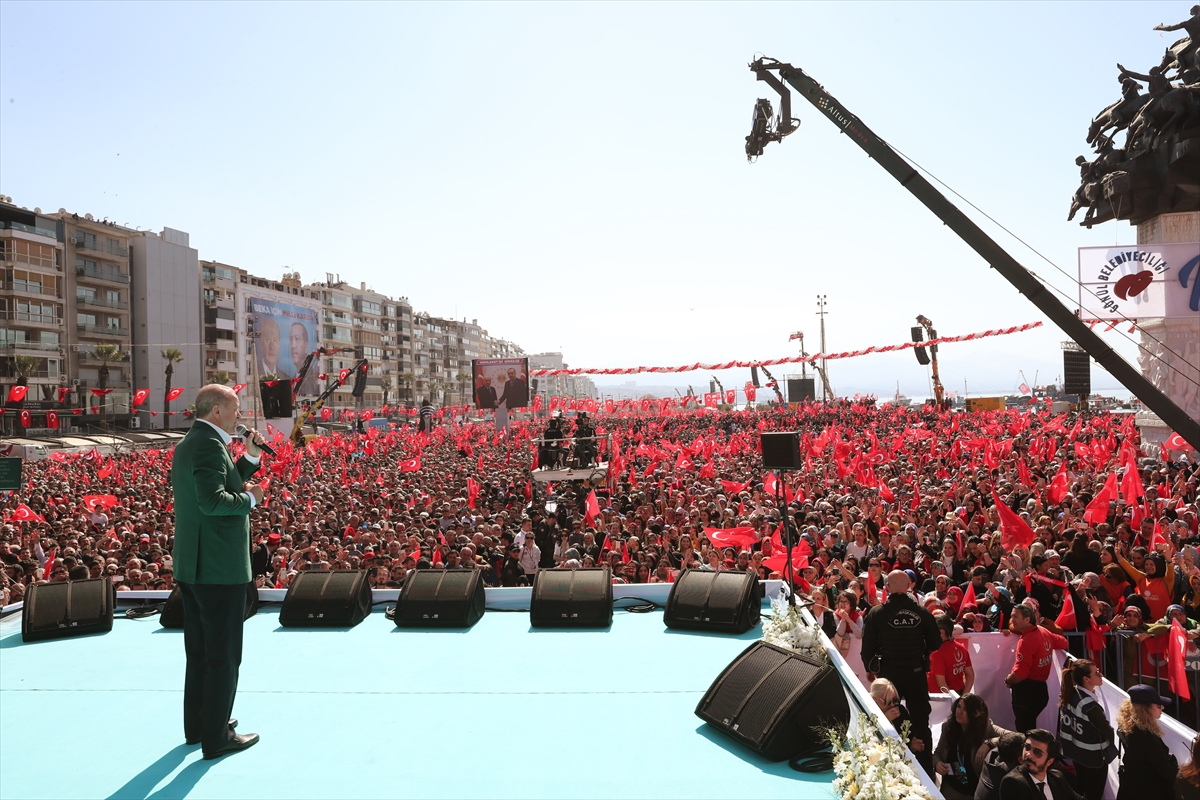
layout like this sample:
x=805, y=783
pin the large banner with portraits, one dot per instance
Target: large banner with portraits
x=500, y=382
x=286, y=335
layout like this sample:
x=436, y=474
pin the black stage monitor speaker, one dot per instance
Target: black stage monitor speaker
x=572, y=598
x=172, y=613
x=441, y=598
x=801, y=389
x=1077, y=373
x=71, y=608
x=326, y=598
x=918, y=335
x=781, y=450
x=771, y=700
x=277, y=399
x=725, y=602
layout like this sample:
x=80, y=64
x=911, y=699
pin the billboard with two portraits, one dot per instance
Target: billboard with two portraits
x=287, y=333
x=500, y=382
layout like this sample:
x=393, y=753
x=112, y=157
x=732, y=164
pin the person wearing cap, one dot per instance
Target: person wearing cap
x=1148, y=768
x=1032, y=666
x=898, y=637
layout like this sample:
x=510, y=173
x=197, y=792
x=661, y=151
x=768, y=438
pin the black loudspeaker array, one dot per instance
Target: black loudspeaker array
x=1077, y=373
x=172, y=613
x=918, y=335
x=775, y=701
x=801, y=389
x=781, y=450
x=360, y=381
x=70, y=608
x=324, y=598
x=572, y=598
x=277, y=399
x=441, y=598
x=723, y=602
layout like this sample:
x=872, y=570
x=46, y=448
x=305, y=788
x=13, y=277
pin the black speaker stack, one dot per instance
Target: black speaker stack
x=326, y=598
x=722, y=602
x=775, y=701
x=781, y=450
x=572, y=598
x=69, y=608
x=441, y=598
x=1077, y=373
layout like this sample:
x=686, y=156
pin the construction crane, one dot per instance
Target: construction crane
x=307, y=414
x=939, y=393
x=298, y=381
x=766, y=129
x=774, y=384
x=817, y=368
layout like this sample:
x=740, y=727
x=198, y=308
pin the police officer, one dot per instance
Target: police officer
x=585, y=446
x=549, y=451
x=1084, y=733
x=901, y=635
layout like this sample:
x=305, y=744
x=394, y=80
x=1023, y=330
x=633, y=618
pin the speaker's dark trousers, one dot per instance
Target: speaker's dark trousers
x=1029, y=698
x=212, y=639
x=913, y=687
x=1090, y=781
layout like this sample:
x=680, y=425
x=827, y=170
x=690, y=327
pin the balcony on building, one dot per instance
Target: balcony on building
x=102, y=330
x=87, y=241
x=100, y=273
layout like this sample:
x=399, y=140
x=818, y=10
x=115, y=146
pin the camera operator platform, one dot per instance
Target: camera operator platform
x=573, y=458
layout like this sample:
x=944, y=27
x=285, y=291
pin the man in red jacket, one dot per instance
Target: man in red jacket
x=1034, y=659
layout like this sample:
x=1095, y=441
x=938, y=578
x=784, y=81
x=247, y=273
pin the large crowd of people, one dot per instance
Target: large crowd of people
x=1020, y=520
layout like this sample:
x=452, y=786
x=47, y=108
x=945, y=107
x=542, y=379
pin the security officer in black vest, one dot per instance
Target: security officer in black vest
x=1084, y=733
x=898, y=637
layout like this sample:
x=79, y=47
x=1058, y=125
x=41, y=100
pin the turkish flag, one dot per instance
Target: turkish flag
x=1176, y=674
x=174, y=394
x=106, y=470
x=321, y=376
x=886, y=493
x=51, y=419
x=710, y=399
x=1097, y=510
x=412, y=465
x=140, y=396
x=94, y=501
x=740, y=538
x=1066, y=617
x=1024, y=387
x=63, y=391
x=23, y=513
x=366, y=415
x=592, y=506
x=26, y=418
x=1057, y=489
x=731, y=396
x=342, y=377
x=472, y=491
x=1013, y=530
x=751, y=392
x=969, y=599
x=326, y=413
x=100, y=392
x=609, y=406
x=1173, y=442
x=683, y=462
x=237, y=388
x=733, y=487
x=17, y=393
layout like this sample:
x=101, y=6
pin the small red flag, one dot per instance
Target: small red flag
x=1013, y=530
x=139, y=397
x=1058, y=486
x=1176, y=675
x=593, y=507
x=17, y=393
x=99, y=392
x=174, y=394
x=26, y=418
x=51, y=419
x=1097, y=510
x=1066, y=617
x=412, y=465
x=237, y=388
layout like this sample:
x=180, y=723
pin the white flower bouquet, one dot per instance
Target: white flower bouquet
x=870, y=766
x=787, y=628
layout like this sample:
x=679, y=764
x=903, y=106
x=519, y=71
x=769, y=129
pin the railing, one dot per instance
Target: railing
x=102, y=274
x=101, y=302
x=104, y=330
x=87, y=355
x=25, y=316
x=30, y=288
x=97, y=246
x=29, y=345
x=21, y=226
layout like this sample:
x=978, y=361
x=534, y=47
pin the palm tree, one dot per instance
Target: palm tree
x=435, y=386
x=173, y=356
x=462, y=377
x=24, y=366
x=407, y=379
x=222, y=377
x=105, y=354
x=385, y=383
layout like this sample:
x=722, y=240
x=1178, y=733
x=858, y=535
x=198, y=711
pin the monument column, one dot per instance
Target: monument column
x=1172, y=356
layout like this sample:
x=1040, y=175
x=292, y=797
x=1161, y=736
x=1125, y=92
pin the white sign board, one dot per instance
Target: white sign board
x=1139, y=281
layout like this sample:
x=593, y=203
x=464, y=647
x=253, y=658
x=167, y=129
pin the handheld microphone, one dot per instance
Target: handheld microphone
x=244, y=432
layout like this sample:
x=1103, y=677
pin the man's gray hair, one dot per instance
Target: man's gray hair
x=211, y=395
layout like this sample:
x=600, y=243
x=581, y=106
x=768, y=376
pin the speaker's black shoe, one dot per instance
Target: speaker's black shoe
x=232, y=726
x=234, y=745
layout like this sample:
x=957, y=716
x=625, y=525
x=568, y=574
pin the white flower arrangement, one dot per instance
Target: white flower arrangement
x=870, y=766
x=787, y=628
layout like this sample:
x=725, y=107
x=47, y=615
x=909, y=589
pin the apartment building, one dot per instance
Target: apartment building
x=222, y=341
x=31, y=308
x=165, y=306
x=577, y=386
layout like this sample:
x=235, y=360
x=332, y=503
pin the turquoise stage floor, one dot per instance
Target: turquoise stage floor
x=500, y=710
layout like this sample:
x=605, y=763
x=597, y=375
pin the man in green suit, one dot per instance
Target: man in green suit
x=212, y=565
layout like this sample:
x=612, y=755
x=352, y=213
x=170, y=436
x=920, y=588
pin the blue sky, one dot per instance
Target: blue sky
x=572, y=175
